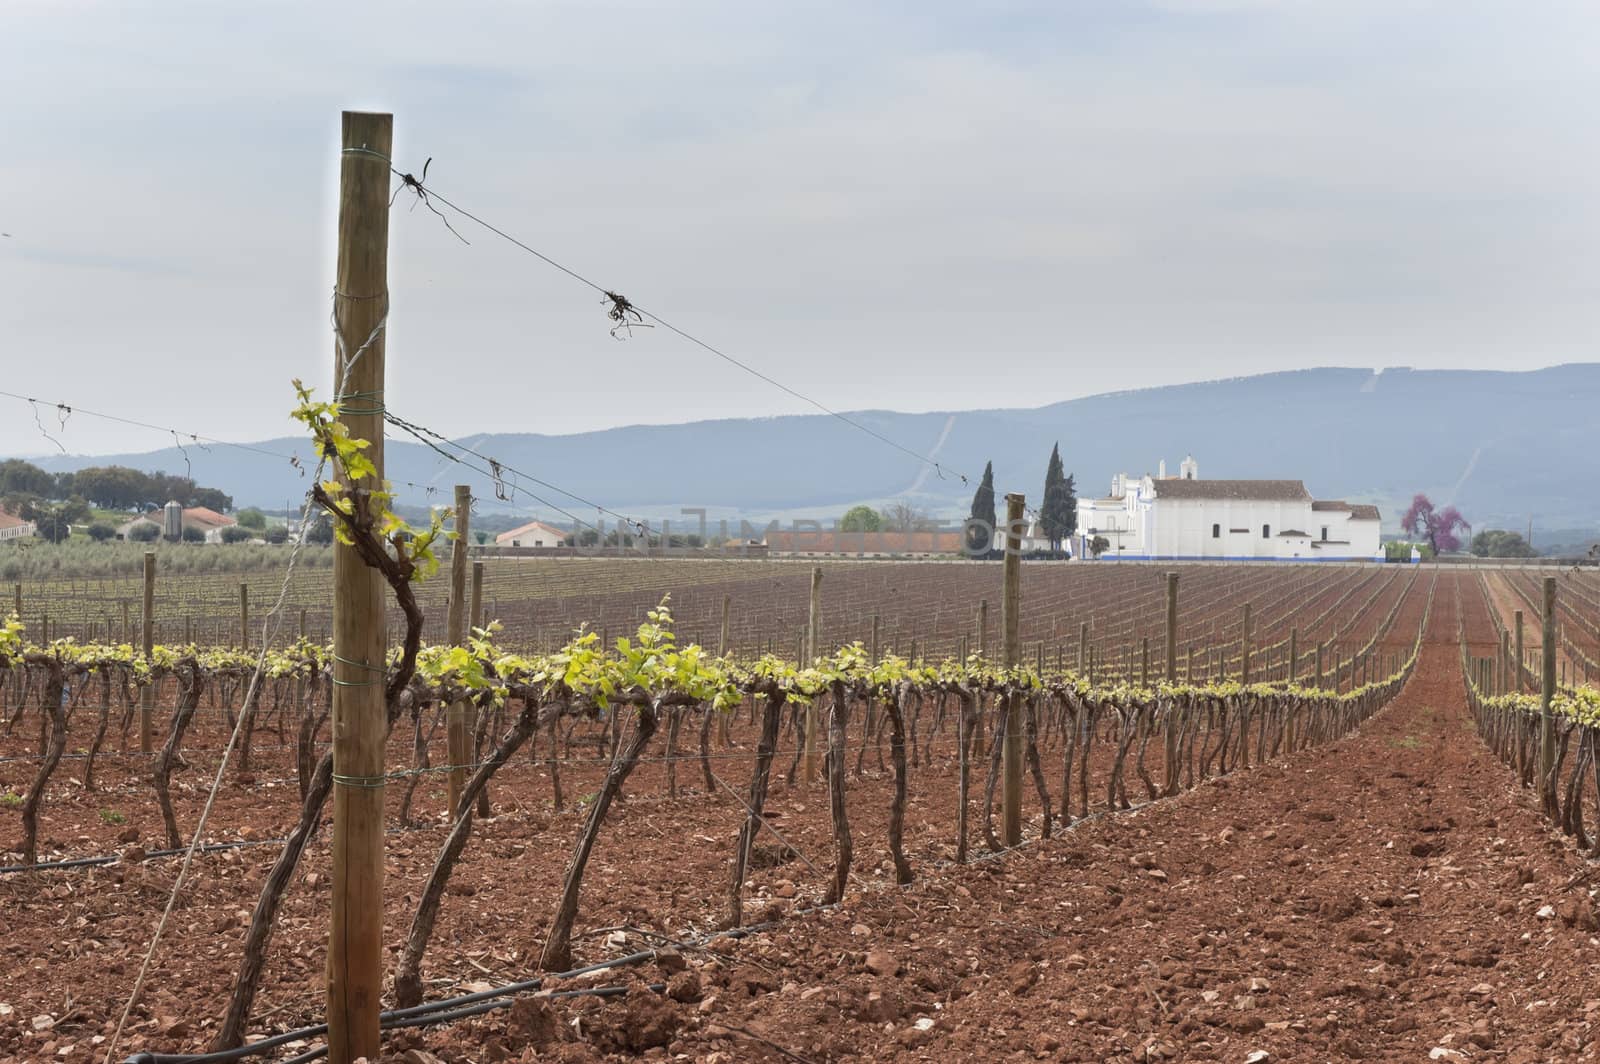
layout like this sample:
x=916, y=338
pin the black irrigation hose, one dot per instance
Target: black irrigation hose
x=446, y=1010
x=108, y=859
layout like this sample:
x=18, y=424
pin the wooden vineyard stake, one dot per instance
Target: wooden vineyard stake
x=147, y=692
x=1244, y=646
x=1521, y=661
x=361, y=307
x=1318, y=683
x=482, y=622
x=813, y=648
x=1144, y=661
x=1547, y=694
x=983, y=628
x=1011, y=647
x=244, y=616
x=724, y=735
x=1172, y=629
x=455, y=635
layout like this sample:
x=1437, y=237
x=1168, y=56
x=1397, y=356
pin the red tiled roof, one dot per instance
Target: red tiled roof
x=1243, y=490
x=1331, y=506
x=201, y=515
x=9, y=520
x=529, y=529
x=1363, y=512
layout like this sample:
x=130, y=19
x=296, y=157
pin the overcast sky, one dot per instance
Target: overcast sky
x=913, y=205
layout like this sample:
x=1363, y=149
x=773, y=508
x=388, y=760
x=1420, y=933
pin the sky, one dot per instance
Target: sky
x=905, y=205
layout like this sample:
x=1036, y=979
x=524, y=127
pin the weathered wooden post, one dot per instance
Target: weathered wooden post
x=813, y=649
x=1294, y=655
x=1172, y=628
x=1547, y=731
x=455, y=720
x=722, y=635
x=1516, y=682
x=244, y=616
x=1144, y=661
x=480, y=621
x=1010, y=625
x=1319, y=665
x=127, y=623
x=1083, y=648
x=983, y=628
x=147, y=694
x=1244, y=646
x=361, y=307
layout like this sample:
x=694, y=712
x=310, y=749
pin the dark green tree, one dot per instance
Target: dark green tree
x=24, y=478
x=980, y=537
x=1059, y=514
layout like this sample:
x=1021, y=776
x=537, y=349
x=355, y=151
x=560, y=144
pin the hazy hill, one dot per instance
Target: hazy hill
x=1503, y=446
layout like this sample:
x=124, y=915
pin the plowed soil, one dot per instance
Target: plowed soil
x=1390, y=897
x=1393, y=897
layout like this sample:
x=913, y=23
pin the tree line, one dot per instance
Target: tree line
x=112, y=487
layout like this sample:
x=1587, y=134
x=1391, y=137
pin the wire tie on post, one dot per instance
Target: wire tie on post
x=367, y=782
x=367, y=151
x=373, y=406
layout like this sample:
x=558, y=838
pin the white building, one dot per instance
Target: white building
x=1186, y=518
x=532, y=534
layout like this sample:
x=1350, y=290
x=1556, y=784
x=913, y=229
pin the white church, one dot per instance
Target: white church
x=1184, y=518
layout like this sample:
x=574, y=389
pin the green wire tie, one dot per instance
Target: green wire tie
x=358, y=665
x=374, y=406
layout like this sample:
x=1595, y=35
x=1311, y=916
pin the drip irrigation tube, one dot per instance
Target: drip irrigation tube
x=447, y=1010
x=108, y=859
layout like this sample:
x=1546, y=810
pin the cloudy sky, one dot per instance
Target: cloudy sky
x=914, y=205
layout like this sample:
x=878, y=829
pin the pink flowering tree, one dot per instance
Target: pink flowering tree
x=1439, y=527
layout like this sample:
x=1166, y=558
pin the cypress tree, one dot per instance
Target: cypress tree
x=1053, y=513
x=982, y=510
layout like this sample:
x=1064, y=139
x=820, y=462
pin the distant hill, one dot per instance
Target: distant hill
x=1503, y=446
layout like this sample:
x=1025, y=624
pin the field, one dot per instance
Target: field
x=1320, y=842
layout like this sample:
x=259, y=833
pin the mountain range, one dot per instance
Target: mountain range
x=1506, y=447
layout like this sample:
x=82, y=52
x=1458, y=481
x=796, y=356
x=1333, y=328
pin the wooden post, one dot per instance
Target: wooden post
x=1244, y=646
x=127, y=624
x=1144, y=661
x=1547, y=689
x=1319, y=665
x=1172, y=628
x=188, y=631
x=480, y=621
x=17, y=606
x=983, y=629
x=360, y=637
x=875, y=641
x=813, y=718
x=1516, y=672
x=455, y=720
x=1010, y=627
x=1294, y=655
x=244, y=616
x=147, y=693
x=722, y=636
x=479, y=618
x=1083, y=648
